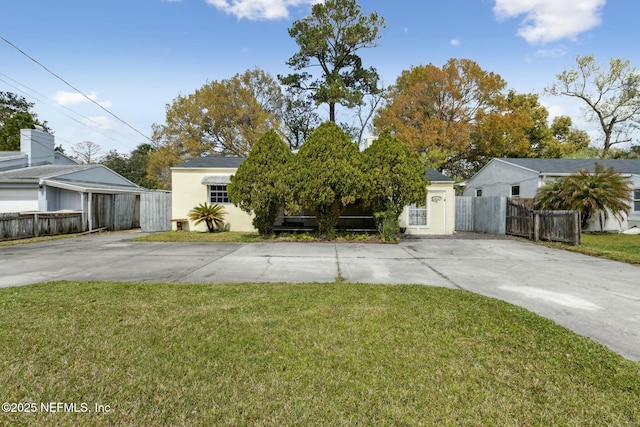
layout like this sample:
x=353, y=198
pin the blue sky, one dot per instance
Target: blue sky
x=135, y=56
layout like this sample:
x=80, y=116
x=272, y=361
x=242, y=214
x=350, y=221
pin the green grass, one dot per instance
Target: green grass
x=617, y=247
x=301, y=354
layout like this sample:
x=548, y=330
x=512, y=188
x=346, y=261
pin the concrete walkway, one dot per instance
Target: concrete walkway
x=594, y=297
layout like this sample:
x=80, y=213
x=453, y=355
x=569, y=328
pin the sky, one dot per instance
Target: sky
x=105, y=70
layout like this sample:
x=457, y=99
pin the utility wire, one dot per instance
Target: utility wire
x=43, y=100
x=74, y=88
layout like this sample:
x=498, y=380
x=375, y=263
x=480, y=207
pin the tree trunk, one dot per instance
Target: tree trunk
x=332, y=112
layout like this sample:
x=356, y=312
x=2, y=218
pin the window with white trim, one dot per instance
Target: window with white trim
x=636, y=200
x=218, y=193
x=479, y=192
x=515, y=191
x=417, y=216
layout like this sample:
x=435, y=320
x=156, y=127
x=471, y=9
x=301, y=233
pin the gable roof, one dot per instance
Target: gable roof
x=44, y=171
x=569, y=166
x=61, y=176
x=436, y=176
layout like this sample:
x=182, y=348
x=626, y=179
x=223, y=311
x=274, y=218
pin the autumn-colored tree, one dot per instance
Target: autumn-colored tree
x=511, y=129
x=432, y=109
x=328, y=175
x=519, y=127
x=262, y=184
x=566, y=139
x=220, y=118
x=330, y=39
x=612, y=96
x=395, y=177
x=461, y=116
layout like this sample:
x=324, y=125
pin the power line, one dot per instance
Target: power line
x=76, y=89
x=43, y=100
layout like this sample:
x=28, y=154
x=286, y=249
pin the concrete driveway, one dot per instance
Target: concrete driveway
x=596, y=298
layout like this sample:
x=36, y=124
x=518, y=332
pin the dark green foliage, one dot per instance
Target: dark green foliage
x=603, y=192
x=15, y=114
x=211, y=214
x=395, y=178
x=262, y=184
x=132, y=166
x=328, y=175
x=329, y=39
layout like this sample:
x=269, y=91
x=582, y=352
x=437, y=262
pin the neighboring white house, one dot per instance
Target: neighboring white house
x=512, y=177
x=205, y=179
x=40, y=179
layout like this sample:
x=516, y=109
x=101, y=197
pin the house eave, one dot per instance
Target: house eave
x=88, y=188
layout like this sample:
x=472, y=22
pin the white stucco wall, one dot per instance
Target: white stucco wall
x=440, y=211
x=497, y=178
x=188, y=192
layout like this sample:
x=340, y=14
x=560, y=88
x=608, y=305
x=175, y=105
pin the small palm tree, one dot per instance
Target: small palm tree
x=212, y=215
x=604, y=192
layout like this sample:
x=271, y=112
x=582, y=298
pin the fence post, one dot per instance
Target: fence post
x=35, y=225
x=577, y=228
x=536, y=226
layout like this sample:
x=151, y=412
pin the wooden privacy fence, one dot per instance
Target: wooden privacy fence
x=25, y=225
x=555, y=226
x=480, y=214
x=155, y=211
x=115, y=211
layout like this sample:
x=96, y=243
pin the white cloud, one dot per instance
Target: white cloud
x=99, y=122
x=256, y=10
x=556, y=52
x=456, y=42
x=73, y=98
x=551, y=20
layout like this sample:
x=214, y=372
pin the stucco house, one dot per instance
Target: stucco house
x=205, y=179
x=515, y=177
x=40, y=179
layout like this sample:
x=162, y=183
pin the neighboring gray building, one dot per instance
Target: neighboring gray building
x=522, y=177
x=40, y=179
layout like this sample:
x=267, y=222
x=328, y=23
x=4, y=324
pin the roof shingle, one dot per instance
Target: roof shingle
x=568, y=166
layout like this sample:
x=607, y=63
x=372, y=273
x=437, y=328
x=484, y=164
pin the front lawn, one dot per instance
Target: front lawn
x=300, y=354
x=617, y=247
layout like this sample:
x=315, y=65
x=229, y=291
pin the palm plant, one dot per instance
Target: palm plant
x=604, y=192
x=211, y=214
